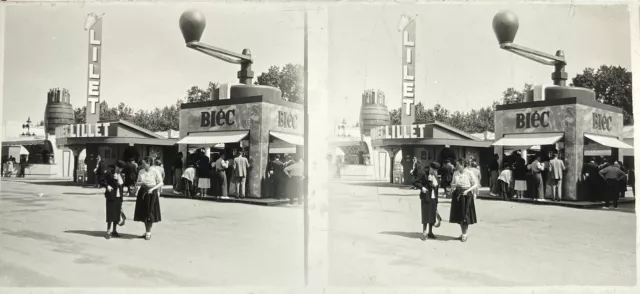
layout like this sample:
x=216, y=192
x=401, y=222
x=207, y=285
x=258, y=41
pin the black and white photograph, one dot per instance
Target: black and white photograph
x=153, y=145
x=481, y=145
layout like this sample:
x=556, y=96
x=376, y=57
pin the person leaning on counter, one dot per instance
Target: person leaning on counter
x=612, y=176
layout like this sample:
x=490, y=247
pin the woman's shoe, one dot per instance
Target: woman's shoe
x=115, y=234
x=463, y=238
x=107, y=236
x=147, y=236
x=423, y=237
x=431, y=236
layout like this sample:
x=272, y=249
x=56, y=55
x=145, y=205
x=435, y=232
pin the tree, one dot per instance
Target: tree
x=612, y=85
x=80, y=114
x=197, y=94
x=288, y=80
x=512, y=96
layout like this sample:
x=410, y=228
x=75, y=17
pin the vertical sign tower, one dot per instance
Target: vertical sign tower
x=408, y=28
x=93, y=25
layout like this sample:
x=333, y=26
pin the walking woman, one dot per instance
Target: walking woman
x=114, y=184
x=427, y=182
x=148, y=203
x=203, y=173
x=463, y=209
x=520, y=177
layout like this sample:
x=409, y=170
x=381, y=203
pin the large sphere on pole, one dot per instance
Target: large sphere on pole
x=192, y=24
x=505, y=26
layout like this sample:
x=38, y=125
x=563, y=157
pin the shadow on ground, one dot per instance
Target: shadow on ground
x=417, y=235
x=100, y=234
x=85, y=194
x=378, y=184
x=398, y=195
x=56, y=183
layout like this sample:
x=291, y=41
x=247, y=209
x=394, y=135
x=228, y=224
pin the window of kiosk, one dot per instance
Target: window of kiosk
x=544, y=151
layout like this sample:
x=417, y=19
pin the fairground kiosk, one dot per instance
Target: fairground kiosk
x=429, y=142
x=555, y=119
x=243, y=116
x=113, y=141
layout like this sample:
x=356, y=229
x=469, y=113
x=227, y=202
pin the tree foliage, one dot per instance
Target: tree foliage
x=288, y=79
x=612, y=85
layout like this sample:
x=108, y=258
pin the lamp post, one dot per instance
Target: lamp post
x=28, y=127
x=505, y=26
x=192, y=24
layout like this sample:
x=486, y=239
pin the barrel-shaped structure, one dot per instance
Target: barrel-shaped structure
x=58, y=111
x=373, y=112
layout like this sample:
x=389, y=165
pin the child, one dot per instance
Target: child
x=504, y=181
x=188, y=176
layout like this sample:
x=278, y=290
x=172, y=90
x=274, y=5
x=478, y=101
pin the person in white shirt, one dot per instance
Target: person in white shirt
x=159, y=168
x=295, y=172
x=220, y=172
x=463, y=210
x=506, y=182
x=148, y=203
x=188, y=176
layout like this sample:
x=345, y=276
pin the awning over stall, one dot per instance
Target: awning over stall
x=282, y=150
x=23, y=142
x=213, y=138
x=289, y=138
x=608, y=141
x=528, y=140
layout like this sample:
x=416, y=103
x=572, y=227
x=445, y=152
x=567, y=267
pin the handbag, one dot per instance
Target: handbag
x=438, y=220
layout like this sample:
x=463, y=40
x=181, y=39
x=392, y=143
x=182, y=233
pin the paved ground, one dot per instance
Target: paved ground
x=57, y=240
x=374, y=241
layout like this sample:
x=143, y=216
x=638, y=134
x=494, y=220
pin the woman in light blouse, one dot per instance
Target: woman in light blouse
x=148, y=204
x=463, y=210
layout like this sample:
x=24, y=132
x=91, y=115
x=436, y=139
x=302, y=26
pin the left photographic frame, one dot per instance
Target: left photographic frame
x=199, y=113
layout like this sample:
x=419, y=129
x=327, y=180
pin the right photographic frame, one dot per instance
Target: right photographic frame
x=481, y=145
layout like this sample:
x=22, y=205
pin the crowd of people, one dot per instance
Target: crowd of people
x=10, y=167
x=605, y=180
x=224, y=175
x=602, y=178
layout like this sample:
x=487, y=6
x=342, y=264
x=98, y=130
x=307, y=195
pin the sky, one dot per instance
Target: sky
x=145, y=61
x=459, y=64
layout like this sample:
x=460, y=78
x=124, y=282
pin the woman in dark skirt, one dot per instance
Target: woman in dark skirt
x=427, y=182
x=114, y=183
x=463, y=210
x=147, y=203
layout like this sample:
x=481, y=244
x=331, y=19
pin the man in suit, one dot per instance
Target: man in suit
x=591, y=179
x=557, y=169
x=612, y=175
x=241, y=165
x=276, y=172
